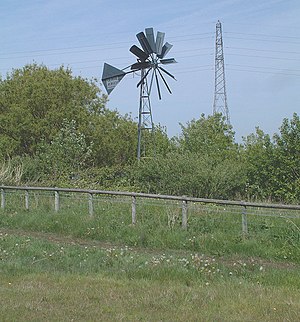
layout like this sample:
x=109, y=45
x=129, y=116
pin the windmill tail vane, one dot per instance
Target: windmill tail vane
x=150, y=57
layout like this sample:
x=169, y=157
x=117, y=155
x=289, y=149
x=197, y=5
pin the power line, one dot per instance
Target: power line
x=265, y=40
x=62, y=48
x=288, y=27
x=265, y=57
x=92, y=50
x=262, y=72
x=261, y=35
x=102, y=46
x=116, y=45
x=263, y=67
x=200, y=69
x=265, y=50
x=185, y=36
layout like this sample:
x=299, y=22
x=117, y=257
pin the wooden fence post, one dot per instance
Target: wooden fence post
x=56, y=202
x=2, y=198
x=184, y=214
x=133, y=210
x=244, y=221
x=26, y=199
x=91, y=206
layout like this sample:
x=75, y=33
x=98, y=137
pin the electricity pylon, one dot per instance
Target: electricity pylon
x=220, y=97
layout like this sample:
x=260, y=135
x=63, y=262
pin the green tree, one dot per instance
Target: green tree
x=210, y=136
x=66, y=155
x=273, y=165
x=259, y=164
x=34, y=101
x=287, y=160
x=113, y=137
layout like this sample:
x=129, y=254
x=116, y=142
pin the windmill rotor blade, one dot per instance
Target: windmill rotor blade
x=143, y=78
x=161, y=75
x=140, y=65
x=150, y=57
x=165, y=71
x=144, y=43
x=165, y=49
x=111, y=77
x=150, y=38
x=138, y=52
x=159, y=42
x=168, y=61
x=157, y=84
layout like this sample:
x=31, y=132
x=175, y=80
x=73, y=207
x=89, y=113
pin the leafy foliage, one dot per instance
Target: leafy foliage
x=205, y=163
x=287, y=160
x=259, y=163
x=190, y=174
x=273, y=164
x=113, y=137
x=210, y=136
x=35, y=101
x=66, y=154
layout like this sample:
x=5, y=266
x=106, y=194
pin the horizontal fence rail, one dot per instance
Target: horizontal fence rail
x=185, y=201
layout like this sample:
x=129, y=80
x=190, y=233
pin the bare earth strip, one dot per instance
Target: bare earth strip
x=67, y=240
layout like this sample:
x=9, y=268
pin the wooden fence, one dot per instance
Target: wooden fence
x=134, y=199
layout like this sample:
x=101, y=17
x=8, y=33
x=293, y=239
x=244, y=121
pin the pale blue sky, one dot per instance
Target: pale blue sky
x=261, y=45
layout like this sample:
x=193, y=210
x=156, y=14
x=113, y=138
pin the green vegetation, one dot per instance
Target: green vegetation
x=55, y=130
x=211, y=229
x=67, y=265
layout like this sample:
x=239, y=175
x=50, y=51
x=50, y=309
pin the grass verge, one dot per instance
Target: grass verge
x=50, y=277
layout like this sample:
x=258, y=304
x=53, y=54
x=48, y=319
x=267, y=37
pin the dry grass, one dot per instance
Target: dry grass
x=10, y=174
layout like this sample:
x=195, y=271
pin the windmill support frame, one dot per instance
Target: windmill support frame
x=145, y=121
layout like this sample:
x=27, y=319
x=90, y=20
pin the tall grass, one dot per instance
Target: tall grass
x=10, y=173
x=211, y=229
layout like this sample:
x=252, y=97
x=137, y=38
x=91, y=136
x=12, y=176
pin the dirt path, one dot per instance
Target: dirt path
x=55, y=238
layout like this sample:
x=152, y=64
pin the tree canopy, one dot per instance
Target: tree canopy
x=35, y=101
x=273, y=163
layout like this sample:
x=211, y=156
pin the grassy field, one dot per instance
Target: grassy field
x=50, y=277
x=68, y=266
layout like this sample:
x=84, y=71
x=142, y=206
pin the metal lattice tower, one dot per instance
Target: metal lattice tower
x=145, y=115
x=220, y=98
